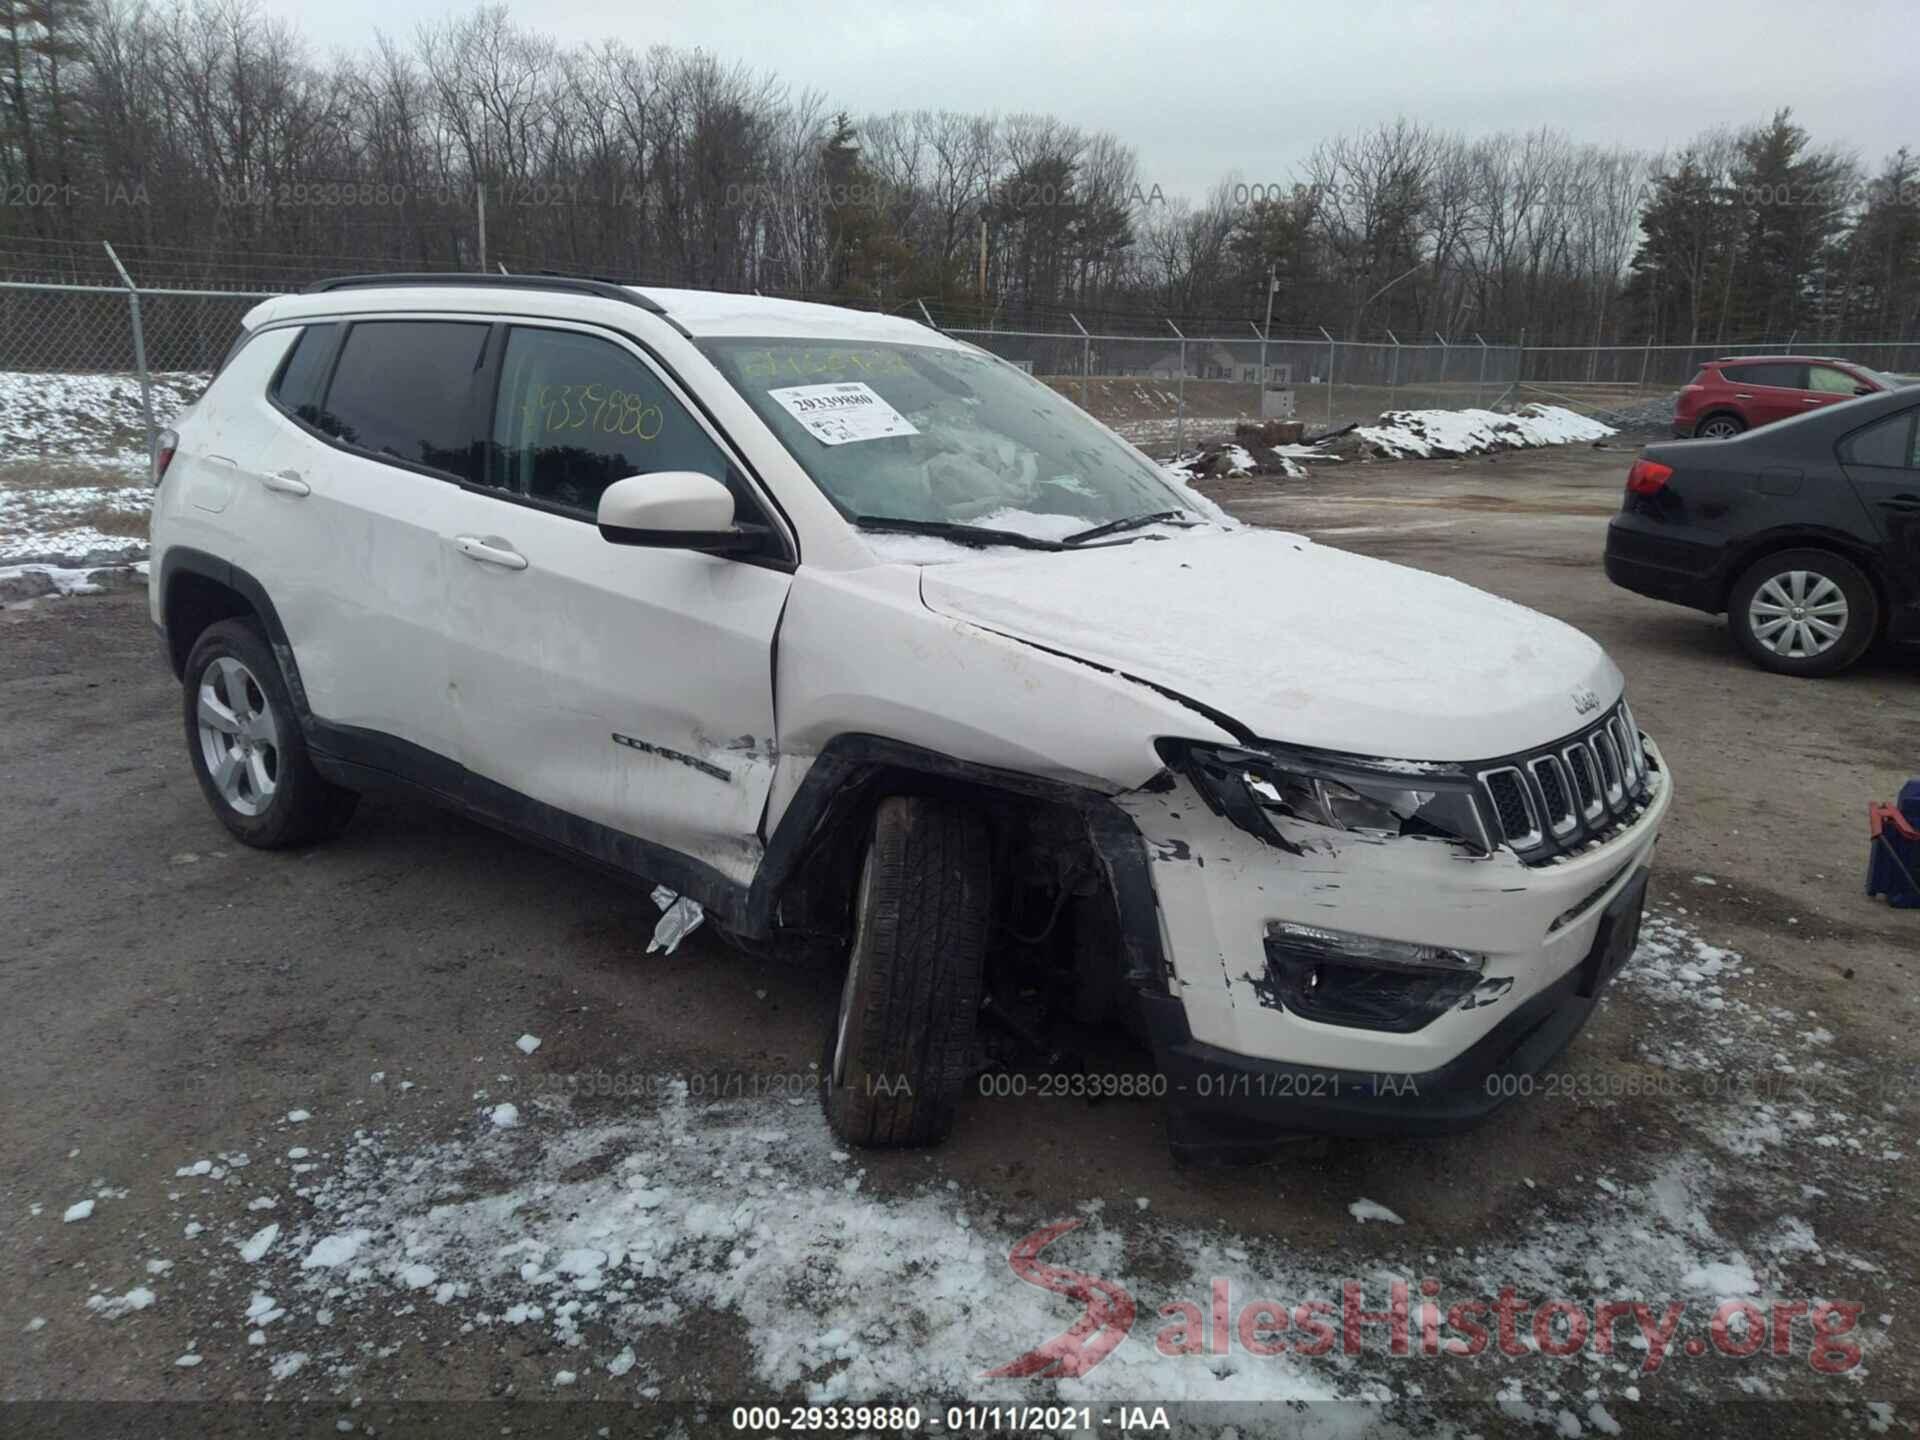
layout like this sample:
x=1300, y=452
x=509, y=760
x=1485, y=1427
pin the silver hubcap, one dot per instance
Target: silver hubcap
x=1798, y=615
x=239, y=737
x=1719, y=429
x=851, y=985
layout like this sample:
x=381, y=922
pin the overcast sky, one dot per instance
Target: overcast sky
x=1208, y=87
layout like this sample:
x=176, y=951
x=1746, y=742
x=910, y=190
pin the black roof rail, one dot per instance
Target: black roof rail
x=572, y=284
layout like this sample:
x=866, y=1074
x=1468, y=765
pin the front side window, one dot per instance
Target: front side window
x=932, y=434
x=576, y=413
x=405, y=389
x=1829, y=381
x=1890, y=444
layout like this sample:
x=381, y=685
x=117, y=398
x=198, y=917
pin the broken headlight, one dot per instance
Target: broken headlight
x=1253, y=788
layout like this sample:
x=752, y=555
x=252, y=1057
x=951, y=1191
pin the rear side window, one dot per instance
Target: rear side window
x=1786, y=377
x=577, y=413
x=1889, y=444
x=303, y=374
x=405, y=389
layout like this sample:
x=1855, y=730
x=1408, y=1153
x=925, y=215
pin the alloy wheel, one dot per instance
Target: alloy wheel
x=1798, y=614
x=1720, y=428
x=239, y=736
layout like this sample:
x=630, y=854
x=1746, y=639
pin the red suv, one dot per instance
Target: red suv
x=1743, y=391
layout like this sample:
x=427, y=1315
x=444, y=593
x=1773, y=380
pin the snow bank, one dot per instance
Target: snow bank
x=1422, y=433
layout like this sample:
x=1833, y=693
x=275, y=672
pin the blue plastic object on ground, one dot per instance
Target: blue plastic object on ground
x=1893, y=849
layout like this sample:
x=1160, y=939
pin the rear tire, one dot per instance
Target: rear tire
x=1720, y=427
x=901, y=1043
x=245, y=743
x=1803, y=612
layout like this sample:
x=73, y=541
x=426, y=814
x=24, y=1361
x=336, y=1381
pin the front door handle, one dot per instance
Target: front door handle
x=474, y=548
x=286, y=482
x=1901, y=502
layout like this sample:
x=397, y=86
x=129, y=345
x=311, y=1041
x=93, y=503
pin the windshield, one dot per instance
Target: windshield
x=940, y=436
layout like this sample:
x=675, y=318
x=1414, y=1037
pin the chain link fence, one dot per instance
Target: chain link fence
x=1159, y=390
x=136, y=334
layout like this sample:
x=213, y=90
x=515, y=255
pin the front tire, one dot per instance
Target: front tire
x=1803, y=612
x=247, y=750
x=900, y=1046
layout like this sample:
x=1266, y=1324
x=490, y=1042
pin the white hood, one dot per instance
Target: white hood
x=1297, y=642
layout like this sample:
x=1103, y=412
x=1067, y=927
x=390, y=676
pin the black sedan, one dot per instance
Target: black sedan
x=1805, y=534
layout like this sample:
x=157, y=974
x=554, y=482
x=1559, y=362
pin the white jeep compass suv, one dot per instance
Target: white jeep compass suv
x=860, y=638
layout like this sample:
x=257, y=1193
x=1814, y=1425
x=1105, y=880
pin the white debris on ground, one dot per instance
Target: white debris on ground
x=679, y=918
x=591, y=1241
x=527, y=1044
x=1403, y=433
x=1364, y=1210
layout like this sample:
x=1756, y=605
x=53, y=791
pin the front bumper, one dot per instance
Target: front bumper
x=1223, y=1105
x=1238, y=1062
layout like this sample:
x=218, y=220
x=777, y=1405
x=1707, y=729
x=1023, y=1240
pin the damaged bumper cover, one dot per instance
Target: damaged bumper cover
x=1448, y=968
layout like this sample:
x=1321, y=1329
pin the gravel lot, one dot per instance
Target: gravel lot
x=205, y=1041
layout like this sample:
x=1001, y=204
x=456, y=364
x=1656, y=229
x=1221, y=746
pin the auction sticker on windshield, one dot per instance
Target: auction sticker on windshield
x=840, y=414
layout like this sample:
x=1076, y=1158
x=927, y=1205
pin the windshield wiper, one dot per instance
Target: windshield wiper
x=981, y=535
x=1131, y=522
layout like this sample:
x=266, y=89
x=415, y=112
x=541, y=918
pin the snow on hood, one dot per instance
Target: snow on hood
x=1296, y=641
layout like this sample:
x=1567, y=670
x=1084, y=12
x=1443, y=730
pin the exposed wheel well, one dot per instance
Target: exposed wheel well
x=193, y=602
x=1055, y=912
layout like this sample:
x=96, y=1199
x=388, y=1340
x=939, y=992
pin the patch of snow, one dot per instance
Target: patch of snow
x=527, y=1044
x=505, y=1116
x=298, y=1117
x=336, y=1250
x=1364, y=1210
x=79, y=1210
x=260, y=1243
x=114, y=1306
x=286, y=1366
x=1403, y=433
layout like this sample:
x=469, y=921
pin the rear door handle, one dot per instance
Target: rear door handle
x=474, y=548
x=286, y=482
x=1901, y=502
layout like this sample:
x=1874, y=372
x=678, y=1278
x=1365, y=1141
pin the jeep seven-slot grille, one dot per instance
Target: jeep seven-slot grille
x=1578, y=792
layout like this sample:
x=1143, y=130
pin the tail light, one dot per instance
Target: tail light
x=164, y=445
x=1648, y=477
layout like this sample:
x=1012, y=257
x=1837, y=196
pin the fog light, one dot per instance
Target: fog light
x=1339, y=978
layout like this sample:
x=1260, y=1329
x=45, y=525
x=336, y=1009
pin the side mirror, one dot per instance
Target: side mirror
x=674, y=510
